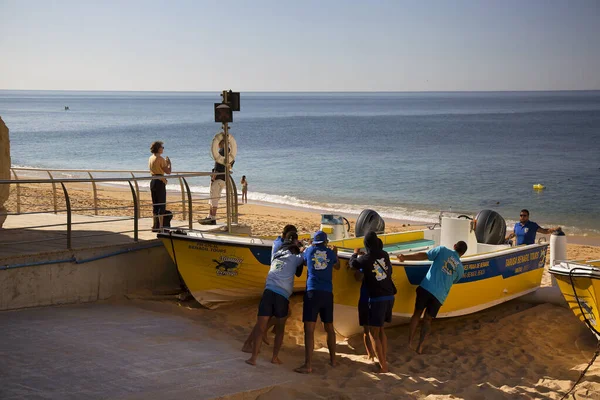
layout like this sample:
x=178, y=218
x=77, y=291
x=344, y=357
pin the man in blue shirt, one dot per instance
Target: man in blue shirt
x=525, y=229
x=445, y=270
x=320, y=261
x=287, y=262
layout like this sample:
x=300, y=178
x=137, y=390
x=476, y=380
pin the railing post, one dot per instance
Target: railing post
x=234, y=199
x=18, y=191
x=54, y=199
x=189, y=196
x=95, y=193
x=137, y=191
x=68, y=203
x=135, y=212
x=182, y=200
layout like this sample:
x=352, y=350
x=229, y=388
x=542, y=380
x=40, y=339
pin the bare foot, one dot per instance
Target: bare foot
x=276, y=360
x=333, y=363
x=383, y=370
x=266, y=340
x=250, y=361
x=247, y=348
x=304, y=369
x=369, y=358
x=419, y=350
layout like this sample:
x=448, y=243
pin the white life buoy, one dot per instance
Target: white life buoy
x=214, y=148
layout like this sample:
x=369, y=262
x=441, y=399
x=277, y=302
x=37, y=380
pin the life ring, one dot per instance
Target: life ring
x=214, y=148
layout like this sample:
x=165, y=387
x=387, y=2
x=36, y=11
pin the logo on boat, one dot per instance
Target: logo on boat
x=227, y=265
x=542, y=261
x=588, y=312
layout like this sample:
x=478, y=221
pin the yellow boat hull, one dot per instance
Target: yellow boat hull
x=579, y=282
x=490, y=279
x=219, y=268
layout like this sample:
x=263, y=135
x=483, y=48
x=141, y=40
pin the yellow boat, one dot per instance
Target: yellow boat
x=579, y=282
x=493, y=273
x=218, y=267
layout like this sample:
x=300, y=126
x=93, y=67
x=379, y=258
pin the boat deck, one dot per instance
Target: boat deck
x=125, y=350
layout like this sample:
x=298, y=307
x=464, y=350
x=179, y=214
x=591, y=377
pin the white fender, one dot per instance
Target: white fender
x=214, y=148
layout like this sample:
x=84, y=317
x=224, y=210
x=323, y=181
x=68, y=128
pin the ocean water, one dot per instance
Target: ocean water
x=405, y=155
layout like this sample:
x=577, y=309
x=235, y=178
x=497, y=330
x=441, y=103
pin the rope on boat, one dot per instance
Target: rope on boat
x=589, y=324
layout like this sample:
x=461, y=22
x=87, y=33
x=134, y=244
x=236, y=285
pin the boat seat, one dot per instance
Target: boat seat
x=421, y=244
x=403, y=246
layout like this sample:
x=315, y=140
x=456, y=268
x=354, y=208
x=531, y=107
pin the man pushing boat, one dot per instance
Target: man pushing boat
x=445, y=270
x=287, y=262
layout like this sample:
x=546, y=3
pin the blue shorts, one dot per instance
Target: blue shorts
x=318, y=303
x=380, y=312
x=273, y=305
x=363, y=311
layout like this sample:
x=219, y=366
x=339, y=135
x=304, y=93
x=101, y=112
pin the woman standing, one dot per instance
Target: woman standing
x=244, y=189
x=158, y=166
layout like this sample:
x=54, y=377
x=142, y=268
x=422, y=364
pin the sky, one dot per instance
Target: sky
x=285, y=45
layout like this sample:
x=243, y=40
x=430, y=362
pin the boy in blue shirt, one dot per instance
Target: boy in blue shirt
x=525, y=229
x=445, y=270
x=318, y=299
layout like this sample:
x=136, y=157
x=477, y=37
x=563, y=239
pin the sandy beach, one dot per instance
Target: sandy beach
x=515, y=350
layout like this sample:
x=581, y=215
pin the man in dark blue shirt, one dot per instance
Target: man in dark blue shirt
x=320, y=261
x=525, y=229
x=377, y=270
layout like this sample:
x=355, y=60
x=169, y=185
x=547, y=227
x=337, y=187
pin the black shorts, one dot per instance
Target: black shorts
x=318, y=303
x=273, y=305
x=363, y=312
x=380, y=312
x=427, y=301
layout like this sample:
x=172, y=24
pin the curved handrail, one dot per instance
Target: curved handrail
x=132, y=181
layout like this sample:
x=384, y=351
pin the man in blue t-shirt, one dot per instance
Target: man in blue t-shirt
x=287, y=262
x=320, y=261
x=525, y=229
x=445, y=270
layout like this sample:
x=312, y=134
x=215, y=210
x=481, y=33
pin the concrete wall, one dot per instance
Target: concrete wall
x=4, y=168
x=141, y=270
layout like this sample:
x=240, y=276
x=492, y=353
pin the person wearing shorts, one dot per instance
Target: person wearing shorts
x=445, y=270
x=320, y=261
x=286, y=263
x=377, y=270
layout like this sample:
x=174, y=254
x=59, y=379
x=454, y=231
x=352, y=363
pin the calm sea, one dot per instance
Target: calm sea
x=406, y=155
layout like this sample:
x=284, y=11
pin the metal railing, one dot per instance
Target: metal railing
x=186, y=195
x=93, y=181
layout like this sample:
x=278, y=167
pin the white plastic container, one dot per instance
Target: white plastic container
x=558, y=247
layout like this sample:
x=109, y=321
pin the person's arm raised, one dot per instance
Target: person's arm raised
x=412, y=257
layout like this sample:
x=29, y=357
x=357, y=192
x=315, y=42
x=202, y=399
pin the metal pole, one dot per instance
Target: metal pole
x=189, y=196
x=137, y=191
x=55, y=200
x=135, y=212
x=18, y=191
x=227, y=172
x=95, y=193
x=183, y=200
x=68, y=204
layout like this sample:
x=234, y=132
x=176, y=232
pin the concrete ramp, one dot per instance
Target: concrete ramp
x=123, y=351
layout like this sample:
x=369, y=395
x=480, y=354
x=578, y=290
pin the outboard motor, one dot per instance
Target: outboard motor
x=490, y=227
x=369, y=220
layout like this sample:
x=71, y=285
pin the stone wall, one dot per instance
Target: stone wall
x=4, y=168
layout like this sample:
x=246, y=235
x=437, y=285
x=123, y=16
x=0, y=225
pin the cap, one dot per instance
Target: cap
x=320, y=237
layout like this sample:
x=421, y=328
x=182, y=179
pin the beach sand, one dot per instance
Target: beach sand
x=511, y=351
